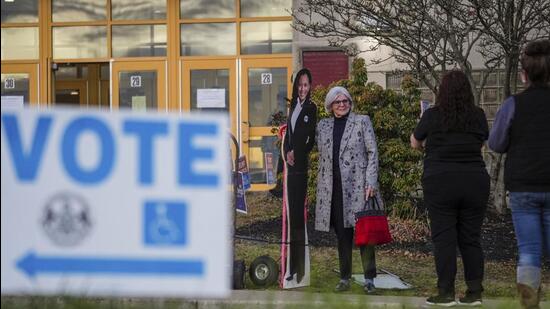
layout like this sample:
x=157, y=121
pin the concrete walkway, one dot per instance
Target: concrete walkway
x=294, y=299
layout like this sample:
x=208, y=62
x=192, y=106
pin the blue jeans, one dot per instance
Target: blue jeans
x=531, y=217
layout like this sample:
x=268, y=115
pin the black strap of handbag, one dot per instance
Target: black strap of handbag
x=376, y=210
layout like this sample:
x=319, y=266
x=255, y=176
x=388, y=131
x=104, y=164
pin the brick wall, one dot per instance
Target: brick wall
x=326, y=66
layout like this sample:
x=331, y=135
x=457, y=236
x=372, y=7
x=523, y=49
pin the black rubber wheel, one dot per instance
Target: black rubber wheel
x=238, y=274
x=263, y=271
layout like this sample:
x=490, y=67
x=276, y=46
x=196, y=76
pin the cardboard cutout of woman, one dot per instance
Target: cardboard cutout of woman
x=298, y=141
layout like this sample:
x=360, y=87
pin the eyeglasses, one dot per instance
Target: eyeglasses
x=344, y=102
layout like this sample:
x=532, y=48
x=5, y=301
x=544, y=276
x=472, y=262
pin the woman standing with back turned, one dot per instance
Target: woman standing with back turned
x=522, y=130
x=455, y=184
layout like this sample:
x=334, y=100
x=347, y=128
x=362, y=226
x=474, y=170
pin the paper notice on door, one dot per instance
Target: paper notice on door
x=139, y=103
x=211, y=98
x=12, y=101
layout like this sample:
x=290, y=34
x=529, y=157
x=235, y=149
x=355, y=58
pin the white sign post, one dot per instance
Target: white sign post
x=114, y=204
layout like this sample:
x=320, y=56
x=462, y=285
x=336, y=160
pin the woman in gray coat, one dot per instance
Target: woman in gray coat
x=347, y=176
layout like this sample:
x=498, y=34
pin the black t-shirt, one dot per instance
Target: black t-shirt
x=451, y=151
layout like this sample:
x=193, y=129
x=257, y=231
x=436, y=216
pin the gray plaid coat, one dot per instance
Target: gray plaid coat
x=358, y=168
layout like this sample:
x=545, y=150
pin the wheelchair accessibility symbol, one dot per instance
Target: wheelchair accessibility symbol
x=165, y=223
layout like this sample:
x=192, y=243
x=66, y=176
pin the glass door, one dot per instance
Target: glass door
x=265, y=89
x=19, y=84
x=210, y=86
x=81, y=84
x=139, y=85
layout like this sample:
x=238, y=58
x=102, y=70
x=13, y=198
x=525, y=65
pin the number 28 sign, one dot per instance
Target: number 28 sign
x=267, y=78
x=135, y=81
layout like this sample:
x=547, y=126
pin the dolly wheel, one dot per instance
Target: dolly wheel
x=238, y=274
x=263, y=271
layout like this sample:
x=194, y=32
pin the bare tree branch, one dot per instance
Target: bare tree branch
x=430, y=36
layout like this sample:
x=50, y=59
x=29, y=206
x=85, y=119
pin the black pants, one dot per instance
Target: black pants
x=456, y=205
x=345, y=239
x=345, y=249
x=296, y=190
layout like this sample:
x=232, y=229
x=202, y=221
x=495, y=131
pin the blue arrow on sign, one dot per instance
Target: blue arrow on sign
x=33, y=264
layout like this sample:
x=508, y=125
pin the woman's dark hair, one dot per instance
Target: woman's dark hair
x=535, y=61
x=455, y=101
x=303, y=71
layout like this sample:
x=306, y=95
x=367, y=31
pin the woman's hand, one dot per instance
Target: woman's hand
x=290, y=158
x=369, y=192
x=416, y=144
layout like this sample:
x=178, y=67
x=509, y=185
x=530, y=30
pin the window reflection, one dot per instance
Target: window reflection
x=105, y=72
x=78, y=10
x=208, y=39
x=20, y=11
x=254, y=8
x=212, y=9
x=79, y=42
x=266, y=37
x=264, y=100
x=139, y=41
x=71, y=72
x=138, y=90
x=104, y=85
x=19, y=43
x=138, y=9
x=67, y=73
x=259, y=145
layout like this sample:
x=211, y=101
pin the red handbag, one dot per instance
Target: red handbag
x=371, y=225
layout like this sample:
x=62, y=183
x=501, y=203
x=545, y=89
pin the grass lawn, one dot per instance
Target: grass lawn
x=415, y=268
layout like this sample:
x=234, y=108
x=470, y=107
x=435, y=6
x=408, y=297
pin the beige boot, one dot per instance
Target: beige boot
x=528, y=297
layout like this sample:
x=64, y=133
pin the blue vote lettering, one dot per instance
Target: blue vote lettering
x=26, y=163
x=146, y=131
x=68, y=150
x=188, y=154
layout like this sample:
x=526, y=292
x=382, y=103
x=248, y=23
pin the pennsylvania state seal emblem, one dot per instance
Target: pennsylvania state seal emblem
x=66, y=219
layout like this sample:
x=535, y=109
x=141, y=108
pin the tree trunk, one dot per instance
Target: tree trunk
x=507, y=76
x=514, y=73
x=497, y=183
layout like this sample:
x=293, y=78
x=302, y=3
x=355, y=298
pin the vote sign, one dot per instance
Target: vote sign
x=122, y=204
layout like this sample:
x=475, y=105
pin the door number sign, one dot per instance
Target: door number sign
x=9, y=83
x=267, y=78
x=135, y=81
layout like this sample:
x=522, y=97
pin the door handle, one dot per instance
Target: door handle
x=245, y=131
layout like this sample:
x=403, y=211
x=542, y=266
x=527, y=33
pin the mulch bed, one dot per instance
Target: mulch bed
x=498, y=239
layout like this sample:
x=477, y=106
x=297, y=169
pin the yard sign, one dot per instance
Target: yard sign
x=114, y=204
